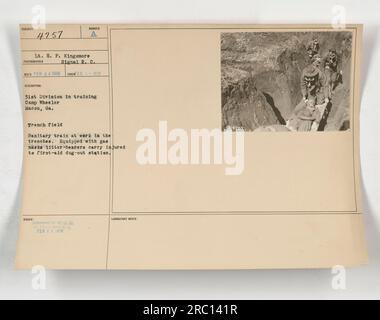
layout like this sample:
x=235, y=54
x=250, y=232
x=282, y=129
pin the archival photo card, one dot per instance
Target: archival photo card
x=191, y=147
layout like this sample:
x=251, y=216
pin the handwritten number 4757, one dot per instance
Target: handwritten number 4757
x=50, y=35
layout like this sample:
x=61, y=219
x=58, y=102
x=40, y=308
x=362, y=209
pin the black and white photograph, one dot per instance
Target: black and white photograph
x=286, y=81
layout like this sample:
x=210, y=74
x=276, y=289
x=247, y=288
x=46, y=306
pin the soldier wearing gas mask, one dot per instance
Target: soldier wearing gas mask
x=330, y=64
x=314, y=92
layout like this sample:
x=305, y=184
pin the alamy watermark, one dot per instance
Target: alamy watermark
x=338, y=281
x=38, y=17
x=39, y=277
x=338, y=20
x=196, y=147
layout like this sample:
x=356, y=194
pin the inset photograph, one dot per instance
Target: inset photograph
x=286, y=81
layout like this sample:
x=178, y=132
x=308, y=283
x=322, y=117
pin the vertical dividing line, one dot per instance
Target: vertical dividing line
x=110, y=91
x=354, y=107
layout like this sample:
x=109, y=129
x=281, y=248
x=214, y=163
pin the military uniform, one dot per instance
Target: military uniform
x=312, y=48
x=313, y=84
x=330, y=63
x=306, y=117
x=314, y=92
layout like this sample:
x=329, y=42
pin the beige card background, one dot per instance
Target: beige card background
x=296, y=205
x=180, y=83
